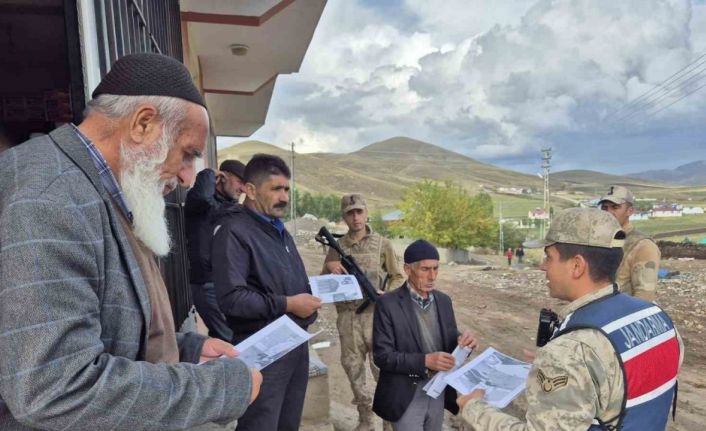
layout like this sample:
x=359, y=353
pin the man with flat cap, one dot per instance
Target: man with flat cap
x=211, y=192
x=87, y=336
x=414, y=333
x=375, y=255
x=637, y=274
x=612, y=362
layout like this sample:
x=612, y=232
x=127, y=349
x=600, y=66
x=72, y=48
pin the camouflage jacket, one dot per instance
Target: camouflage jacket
x=574, y=379
x=375, y=255
x=637, y=274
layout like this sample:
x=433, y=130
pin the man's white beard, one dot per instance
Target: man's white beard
x=142, y=188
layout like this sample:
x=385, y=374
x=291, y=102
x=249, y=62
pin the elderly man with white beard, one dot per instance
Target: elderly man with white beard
x=86, y=332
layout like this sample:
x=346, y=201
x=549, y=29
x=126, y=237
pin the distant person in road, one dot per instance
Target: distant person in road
x=520, y=253
x=612, y=362
x=414, y=333
x=211, y=192
x=508, y=255
x=259, y=277
x=639, y=270
x=377, y=258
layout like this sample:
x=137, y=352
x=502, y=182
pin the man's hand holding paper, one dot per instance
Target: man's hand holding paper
x=213, y=348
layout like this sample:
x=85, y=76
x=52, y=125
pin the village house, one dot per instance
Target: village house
x=667, y=211
x=538, y=214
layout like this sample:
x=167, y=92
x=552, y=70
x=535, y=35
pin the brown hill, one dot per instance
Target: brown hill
x=382, y=170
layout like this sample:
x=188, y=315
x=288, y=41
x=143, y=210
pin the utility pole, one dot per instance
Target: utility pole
x=546, y=159
x=293, y=199
x=500, y=220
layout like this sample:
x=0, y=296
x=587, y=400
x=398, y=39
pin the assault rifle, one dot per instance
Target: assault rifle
x=324, y=237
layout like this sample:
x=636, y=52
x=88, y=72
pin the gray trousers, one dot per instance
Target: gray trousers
x=424, y=413
x=281, y=401
x=204, y=296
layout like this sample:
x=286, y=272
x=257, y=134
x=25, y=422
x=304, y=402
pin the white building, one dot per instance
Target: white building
x=667, y=211
x=511, y=190
x=640, y=216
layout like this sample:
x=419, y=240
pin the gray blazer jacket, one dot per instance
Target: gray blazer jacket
x=74, y=310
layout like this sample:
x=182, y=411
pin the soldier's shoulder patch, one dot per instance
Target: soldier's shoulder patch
x=550, y=384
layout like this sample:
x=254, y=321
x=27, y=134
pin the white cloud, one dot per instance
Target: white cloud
x=309, y=140
x=454, y=20
x=698, y=27
x=554, y=72
x=491, y=79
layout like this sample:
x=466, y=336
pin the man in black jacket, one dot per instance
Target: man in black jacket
x=414, y=333
x=211, y=192
x=259, y=276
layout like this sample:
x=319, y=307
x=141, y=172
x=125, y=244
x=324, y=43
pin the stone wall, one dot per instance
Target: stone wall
x=680, y=249
x=446, y=255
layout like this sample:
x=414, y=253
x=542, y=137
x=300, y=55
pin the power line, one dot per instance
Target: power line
x=682, y=97
x=673, y=92
x=660, y=86
x=668, y=88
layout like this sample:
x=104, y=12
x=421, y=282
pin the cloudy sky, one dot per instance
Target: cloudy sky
x=499, y=80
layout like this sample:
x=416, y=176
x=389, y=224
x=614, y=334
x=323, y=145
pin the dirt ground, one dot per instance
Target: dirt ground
x=501, y=306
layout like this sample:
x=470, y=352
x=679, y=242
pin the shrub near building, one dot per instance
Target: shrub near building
x=447, y=215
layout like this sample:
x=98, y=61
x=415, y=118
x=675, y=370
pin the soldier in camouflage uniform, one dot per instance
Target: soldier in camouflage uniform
x=576, y=378
x=376, y=257
x=637, y=274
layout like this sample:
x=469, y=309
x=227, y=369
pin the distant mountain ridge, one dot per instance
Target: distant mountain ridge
x=693, y=173
x=383, y=170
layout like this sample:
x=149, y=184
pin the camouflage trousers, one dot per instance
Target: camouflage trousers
x=356, y=334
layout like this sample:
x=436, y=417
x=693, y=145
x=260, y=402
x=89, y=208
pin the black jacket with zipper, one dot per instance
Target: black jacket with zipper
x=254, y=270
x=201, y=204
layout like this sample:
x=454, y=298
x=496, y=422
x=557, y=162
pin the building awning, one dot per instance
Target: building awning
x=236, y=50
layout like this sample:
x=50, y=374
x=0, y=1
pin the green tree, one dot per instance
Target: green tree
x=445, y=214
x=512, y=236
x=322, y=206
x=378, y=224
x=305, y=204
x=332, y=207
x=642, y=206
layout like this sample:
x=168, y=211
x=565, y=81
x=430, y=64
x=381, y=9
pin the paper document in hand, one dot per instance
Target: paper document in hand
x=501, y=376
x=335, y=288
x=272, y=342
x=437, y=384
